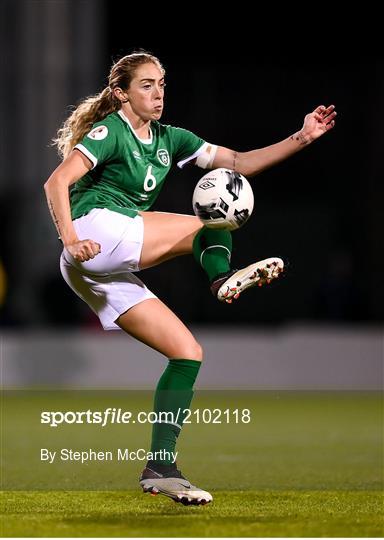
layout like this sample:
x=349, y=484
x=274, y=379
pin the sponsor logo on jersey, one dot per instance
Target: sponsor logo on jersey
x=98, y=133
x=163, y=157
x=136, y=154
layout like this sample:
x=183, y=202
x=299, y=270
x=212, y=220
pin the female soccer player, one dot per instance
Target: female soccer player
x=116, y=157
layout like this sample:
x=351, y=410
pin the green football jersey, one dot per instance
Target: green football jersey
x=128, y=172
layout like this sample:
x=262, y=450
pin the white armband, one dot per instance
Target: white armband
x=205, y=159
x=81, y=148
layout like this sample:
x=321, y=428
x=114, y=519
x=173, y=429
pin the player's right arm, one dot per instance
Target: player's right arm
x=74, y=167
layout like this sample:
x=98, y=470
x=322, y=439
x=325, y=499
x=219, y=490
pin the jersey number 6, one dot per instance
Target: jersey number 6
x=150, y=180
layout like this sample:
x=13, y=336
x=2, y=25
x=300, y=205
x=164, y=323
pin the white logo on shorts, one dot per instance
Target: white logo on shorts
x=98, y=133
x=163, y=157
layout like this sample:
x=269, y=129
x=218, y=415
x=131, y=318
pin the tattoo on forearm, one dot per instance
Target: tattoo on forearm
x=234, y=161
x=300, y=138
x=54, y=217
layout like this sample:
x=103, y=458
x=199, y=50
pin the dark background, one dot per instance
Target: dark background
x=321, y=210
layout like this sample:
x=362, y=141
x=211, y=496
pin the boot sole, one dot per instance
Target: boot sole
x=260, y=273
x=181, y=498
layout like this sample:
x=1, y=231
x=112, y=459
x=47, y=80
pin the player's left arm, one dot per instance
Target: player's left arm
x=316, y=123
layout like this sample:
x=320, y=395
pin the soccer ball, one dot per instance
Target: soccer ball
x=223, y=199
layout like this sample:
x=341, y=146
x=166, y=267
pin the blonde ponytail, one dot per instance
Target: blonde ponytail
x=91, y=110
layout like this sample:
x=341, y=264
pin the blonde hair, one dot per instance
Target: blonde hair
x=95, y=108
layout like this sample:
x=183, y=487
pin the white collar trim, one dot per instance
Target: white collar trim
x=144, y=141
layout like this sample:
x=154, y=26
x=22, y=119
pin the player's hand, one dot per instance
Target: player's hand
x=318, y=122
x=83, y=250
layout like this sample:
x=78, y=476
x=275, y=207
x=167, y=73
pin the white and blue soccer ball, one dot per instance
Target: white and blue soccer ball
x=223, y=199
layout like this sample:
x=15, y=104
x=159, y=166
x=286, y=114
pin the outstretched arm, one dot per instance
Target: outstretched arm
x=253, y=162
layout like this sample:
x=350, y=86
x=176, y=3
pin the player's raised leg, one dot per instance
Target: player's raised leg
x=170, y=235
x=167, y=235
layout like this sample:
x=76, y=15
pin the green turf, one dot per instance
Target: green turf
x=306, y=465
x=248, y=513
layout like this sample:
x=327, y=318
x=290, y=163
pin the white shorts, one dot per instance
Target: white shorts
x=106, y=283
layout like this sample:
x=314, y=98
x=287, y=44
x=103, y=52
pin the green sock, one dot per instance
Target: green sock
x=212, y=249
x=173, y=394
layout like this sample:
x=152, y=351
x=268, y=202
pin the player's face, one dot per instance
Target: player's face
x=146, y=92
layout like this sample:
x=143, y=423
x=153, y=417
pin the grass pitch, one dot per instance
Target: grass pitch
x=233, y=513
x=306, y=465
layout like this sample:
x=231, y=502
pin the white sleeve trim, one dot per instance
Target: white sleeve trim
x=87, y=153
x=202, y=149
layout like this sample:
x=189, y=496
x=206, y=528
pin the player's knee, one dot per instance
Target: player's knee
x=192, y=351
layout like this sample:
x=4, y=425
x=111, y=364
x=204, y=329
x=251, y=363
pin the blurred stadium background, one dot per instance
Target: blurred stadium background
x=322, y=209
